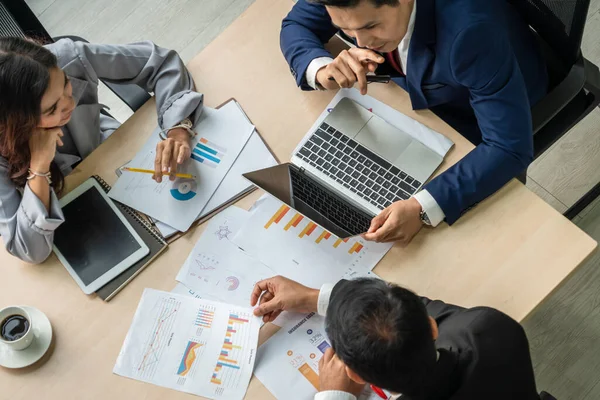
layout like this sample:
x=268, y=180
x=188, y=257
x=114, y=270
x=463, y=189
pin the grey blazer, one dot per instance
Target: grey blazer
x=27, y=229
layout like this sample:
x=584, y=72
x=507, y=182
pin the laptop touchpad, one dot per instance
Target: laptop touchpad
x=383, y=139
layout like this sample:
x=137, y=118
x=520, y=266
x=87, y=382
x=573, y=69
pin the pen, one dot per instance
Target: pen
x=373, y=78
x=379, y=392
x=149, y=171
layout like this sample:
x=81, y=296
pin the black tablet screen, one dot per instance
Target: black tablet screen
x=93, y=239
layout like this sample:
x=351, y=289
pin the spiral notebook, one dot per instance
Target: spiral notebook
x=149, y=235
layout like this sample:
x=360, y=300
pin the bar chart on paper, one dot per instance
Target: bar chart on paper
x=191, y=345
x=228, y=368
x=208, y=153
x=290, y=222
x=294, y=246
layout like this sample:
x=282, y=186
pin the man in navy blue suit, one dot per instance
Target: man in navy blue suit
x=474, y=63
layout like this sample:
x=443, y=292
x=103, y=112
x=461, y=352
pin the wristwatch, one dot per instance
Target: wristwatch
x=424, y=218
x=185, y=124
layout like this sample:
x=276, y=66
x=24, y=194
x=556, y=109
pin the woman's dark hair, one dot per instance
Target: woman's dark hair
x=24, y=77
x=382, y=332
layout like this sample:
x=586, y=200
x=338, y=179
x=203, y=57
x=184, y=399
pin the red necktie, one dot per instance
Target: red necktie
x=392, y=57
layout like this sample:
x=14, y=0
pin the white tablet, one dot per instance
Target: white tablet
x=95, y=243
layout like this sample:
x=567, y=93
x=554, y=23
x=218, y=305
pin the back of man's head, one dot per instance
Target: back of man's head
x=354, y=3
x=383, y=333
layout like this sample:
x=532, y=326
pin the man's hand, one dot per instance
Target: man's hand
x=171, y=152
x=333, y=376
x=349, y=67
x=282, y=294
x=399, y=222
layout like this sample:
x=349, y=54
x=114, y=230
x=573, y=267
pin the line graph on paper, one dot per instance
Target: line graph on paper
x=165, y=314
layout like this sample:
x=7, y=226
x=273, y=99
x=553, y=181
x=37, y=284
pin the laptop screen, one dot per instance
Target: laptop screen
x=312, y=199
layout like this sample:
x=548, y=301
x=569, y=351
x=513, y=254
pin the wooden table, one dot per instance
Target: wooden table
x=510, y=252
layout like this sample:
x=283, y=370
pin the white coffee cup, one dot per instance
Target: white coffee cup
x=24, y=341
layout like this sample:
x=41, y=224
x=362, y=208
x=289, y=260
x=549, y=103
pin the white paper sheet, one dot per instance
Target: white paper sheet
x=430, y=138
x=297, y=248
x=289, y=361
x=218, y=268
x=191, y=345
x=180, y=288
x=222, y=134
x=254, y=156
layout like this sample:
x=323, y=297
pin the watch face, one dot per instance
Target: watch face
x=425, y=218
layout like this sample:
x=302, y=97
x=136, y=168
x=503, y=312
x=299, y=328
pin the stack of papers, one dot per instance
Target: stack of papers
x=221, y=136
x=254, y=156
x=191, y=345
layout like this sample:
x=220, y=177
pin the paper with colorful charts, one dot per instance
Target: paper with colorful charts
x=221, y=136
x=218, y=268
x=191, y=345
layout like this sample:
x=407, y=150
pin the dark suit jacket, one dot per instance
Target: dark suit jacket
x=475, y=64
x=484, y=355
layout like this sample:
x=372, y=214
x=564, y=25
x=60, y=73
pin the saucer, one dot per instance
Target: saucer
x=42, y=330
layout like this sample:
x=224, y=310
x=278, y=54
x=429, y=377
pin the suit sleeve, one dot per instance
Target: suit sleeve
x=498, y=95
x=151, y=67
x=303, y=32
x=504, y=359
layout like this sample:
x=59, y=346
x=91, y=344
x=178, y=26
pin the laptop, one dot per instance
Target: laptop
x=353, y=166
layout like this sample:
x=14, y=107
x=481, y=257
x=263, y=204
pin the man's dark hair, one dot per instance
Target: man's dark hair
x=354, y=3
x=382, y=332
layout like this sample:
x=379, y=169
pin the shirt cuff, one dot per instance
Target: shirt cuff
x=431, y=207
x=323, y=301
x=40, y=220
x=334, y=395
x=314, y=67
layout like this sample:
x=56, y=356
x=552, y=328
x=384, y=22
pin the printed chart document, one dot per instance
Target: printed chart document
x=218, y=268
x=191, y=345
x=430, y=138
x=297, y=248
x=254, y=156
x=289, y=361
x=222, y=134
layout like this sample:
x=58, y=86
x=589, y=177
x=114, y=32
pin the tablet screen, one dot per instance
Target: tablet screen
x=93, y=239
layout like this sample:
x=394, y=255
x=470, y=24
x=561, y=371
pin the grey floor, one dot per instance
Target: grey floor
x=565, y=330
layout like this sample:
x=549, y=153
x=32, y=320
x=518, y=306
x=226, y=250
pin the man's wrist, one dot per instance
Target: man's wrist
x=312, y=299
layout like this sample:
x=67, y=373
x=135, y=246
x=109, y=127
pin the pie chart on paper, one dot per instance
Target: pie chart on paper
x=184, y=189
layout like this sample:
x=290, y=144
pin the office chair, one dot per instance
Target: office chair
x=17, y=19
x=574, y=87
x=546, y=396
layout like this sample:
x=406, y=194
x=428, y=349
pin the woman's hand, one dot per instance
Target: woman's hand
x=42, y=147
x=171, y=152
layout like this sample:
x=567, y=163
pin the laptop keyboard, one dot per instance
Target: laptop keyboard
x=357, y=168
x=330, y=206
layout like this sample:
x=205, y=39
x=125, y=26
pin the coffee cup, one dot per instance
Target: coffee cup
x=16, y=328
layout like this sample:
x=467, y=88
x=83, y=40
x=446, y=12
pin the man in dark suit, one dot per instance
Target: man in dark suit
x=474, y=63
x=411, y=346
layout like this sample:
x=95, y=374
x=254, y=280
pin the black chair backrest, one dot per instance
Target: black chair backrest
x=17, y=19
x=559, y=23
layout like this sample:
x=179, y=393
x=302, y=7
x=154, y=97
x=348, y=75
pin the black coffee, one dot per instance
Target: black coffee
x=14, y=327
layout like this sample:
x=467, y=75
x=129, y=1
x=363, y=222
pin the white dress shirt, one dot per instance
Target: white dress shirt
x=322, y=304
x=428, y=203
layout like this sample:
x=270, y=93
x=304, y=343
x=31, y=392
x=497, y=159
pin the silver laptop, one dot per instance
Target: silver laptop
x=352, y=167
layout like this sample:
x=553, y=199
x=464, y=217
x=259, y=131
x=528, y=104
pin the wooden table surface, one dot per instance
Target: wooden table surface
x=510, y=252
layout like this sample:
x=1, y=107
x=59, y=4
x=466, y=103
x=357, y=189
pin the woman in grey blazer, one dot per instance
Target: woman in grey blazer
x=50, y=119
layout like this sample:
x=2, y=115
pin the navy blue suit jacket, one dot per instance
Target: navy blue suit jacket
x=475, y=64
